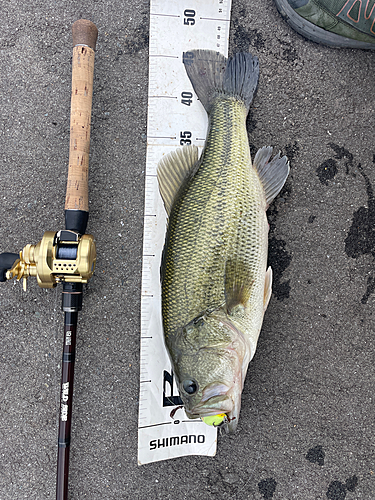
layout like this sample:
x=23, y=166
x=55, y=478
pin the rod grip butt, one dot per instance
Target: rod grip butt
x=85, y=33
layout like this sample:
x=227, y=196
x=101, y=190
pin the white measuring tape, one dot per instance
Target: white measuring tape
x=175, y=118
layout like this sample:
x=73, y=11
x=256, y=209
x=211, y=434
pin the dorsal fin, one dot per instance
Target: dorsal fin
x=273, y=174
x=173, y=170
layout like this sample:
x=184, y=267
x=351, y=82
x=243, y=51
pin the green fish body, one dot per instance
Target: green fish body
x=215, y=285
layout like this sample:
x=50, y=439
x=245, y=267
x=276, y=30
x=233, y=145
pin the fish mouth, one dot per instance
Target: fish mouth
x=219, y=398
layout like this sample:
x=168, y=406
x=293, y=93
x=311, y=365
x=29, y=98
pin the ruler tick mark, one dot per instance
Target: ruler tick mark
x=155, y=425
x=163, y=15
x=159, y=137
x=163, y=55
x=214, y=19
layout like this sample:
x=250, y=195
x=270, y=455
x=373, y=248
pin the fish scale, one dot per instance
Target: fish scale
x=219, y=215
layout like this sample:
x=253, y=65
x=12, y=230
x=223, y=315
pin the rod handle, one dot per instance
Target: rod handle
x=84, y=41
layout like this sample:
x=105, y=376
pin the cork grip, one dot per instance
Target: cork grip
x=84, y=39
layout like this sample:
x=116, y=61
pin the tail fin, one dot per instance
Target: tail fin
x=212, y=76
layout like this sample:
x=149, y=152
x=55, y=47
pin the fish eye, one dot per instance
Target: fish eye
x=190, y=386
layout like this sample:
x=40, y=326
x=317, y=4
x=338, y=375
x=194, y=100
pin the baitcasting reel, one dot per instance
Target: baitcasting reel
x=65, y=256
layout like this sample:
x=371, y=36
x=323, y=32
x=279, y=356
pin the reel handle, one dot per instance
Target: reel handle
x=77, y=199
x=7, y=261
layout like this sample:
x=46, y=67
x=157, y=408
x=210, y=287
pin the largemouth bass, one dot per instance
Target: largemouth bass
x=215, y=285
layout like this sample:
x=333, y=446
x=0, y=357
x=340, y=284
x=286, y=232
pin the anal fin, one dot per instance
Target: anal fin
x=267, y=288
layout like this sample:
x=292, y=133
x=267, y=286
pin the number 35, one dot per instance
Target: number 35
x=185, y=138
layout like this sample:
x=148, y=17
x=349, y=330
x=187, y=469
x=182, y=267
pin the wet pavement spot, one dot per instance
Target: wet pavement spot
x=138, y=39
x=327, y=171
x=267, y=488
x=251, y=124
x=242, y=37
x=351, y=483
x=288, y=51
x=316, y=455
x=361, y=236
x=343, y=154
x=337, y=490
x=291, y=151
x=279, y=259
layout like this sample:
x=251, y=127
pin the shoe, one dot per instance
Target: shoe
x=338, y=23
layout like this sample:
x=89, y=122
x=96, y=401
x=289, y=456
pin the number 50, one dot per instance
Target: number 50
x=189, y=17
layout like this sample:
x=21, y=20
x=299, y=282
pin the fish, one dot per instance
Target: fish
x=215, y=284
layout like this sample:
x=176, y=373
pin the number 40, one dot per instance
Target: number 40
x=186, y=98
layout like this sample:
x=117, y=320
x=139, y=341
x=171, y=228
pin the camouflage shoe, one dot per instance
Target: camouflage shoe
x=339, y=23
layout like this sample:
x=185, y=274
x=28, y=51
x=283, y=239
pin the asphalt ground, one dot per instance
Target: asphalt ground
x=306, y=430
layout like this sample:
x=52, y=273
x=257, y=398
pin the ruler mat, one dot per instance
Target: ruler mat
x=175, y=118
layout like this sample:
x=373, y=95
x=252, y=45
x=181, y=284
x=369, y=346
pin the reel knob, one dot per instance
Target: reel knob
x=7, y=261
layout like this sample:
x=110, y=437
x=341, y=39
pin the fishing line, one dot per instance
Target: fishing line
x=67, y=252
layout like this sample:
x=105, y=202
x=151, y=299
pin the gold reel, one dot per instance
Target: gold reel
x=58, y=257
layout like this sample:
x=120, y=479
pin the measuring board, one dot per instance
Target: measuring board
x=175, y=118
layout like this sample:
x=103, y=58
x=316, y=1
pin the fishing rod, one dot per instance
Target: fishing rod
x=67, y=256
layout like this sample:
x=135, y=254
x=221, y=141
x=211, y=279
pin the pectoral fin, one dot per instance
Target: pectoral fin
x=267, y=288
x=172, y=171
x=238, y=285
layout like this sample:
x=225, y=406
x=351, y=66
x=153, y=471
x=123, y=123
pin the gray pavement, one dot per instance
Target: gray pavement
x=306, y=430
